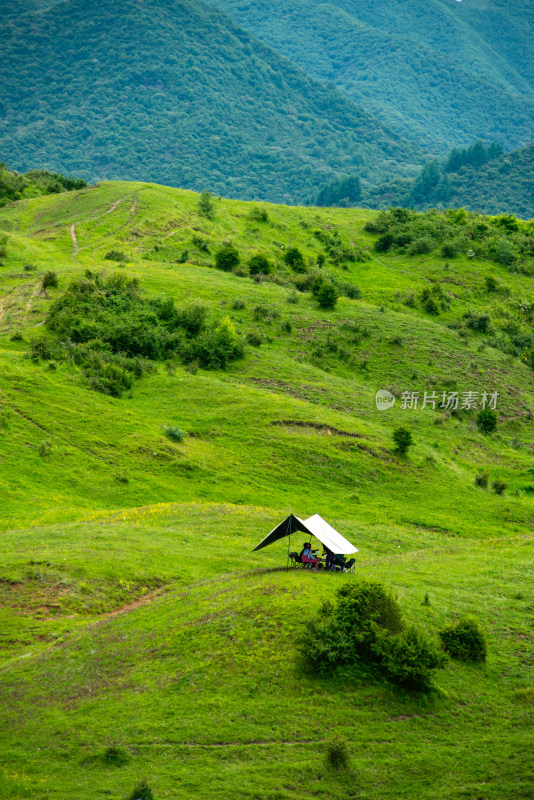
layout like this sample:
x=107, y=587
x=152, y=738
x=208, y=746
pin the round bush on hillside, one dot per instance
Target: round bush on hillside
x=403, y=439
x=227, y=257
x=337, y=754
x=294, y=259
x=327, y=295
x=486, y=420
x=142, y=792
x=259, y=264
x=409, y=658
x=464, y=640
x=49, y=280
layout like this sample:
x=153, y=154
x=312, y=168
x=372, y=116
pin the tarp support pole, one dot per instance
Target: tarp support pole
x=289, y=539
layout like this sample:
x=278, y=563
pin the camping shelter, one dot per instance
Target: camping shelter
x=314, y=526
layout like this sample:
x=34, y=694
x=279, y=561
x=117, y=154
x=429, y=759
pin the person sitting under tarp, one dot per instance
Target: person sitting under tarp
x=307, y=556
x=336, y=561
x=342, y=563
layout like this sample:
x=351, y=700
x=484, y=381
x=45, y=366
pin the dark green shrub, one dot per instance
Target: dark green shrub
x=464, y=640
x=364, y=605
x=504, y=253
x=486, y=421
x=424, y=244
x=115, y=756
x=325, y=642
x=43, y=348
x=481, y=323
x=184, y=257
x=327, y=295
x=293, y=298
x=265, y=313
x=114, y=335
x=287, y=326
x=227, y=257
x=50, y=280
x=304, y=282
x=491, y=284
x=200, y=243
x=482, y=480
x=294, y=259
x=259, y=264
x=205, y=206
x=499, y=487
x=238, y=305
x=174, y=433
x=451, y=249
x=337, y=754
x=403, y=440
x=258, y=214
x=349, y=290
x=109, y=378
x=217, y=346
x=141, y=792
x=409, y=659
x=45, y=448
x=365, y=629
x=431, y=307
x=116, y=255
x=192, y=317
x=254, y=338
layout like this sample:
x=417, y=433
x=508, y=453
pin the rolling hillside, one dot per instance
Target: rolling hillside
x=176, y=92
x=439, y=72
x=139, y=635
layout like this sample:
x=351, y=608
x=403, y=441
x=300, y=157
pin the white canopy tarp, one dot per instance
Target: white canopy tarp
x=328, y=536
x=315, y=526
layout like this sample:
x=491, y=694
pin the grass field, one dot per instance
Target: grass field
x=140, y=636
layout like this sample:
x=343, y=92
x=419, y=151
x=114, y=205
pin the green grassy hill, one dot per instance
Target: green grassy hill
x=438, y=72
x=177, y=92
x=139, y=635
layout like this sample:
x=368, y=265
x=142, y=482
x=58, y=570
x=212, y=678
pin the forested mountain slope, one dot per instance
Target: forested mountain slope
x=441, y=72
x=176, y=92
x=504, y=184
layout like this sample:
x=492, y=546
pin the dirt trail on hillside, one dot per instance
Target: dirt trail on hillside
x=141, y=601
x=35, y=293
x=74, y=239
x=114, y=206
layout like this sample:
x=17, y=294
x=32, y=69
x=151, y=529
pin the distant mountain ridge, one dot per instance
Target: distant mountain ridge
x=502, y=185
x=175, y=92
x=440, y=72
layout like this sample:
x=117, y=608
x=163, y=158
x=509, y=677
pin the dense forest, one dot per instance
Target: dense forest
x=175, y=92
x=440, y=73
x=481, y=178
x=14, y=186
